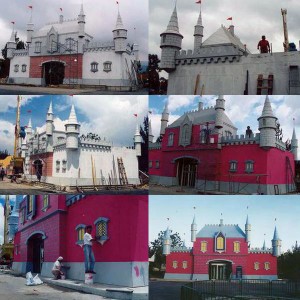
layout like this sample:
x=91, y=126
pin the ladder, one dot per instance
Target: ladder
x=122, y=172
x=265, y=85
x=290, y=180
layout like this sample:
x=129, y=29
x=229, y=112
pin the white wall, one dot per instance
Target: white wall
x=19, y=60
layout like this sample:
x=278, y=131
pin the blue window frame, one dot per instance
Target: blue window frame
x=102, y=229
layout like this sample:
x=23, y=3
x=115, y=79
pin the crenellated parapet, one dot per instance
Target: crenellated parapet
x=181, y=249
x=260, y=251
x=99, y=46
x=280, y=144
x=21, y=52
x=212, y=54
x=153, y=146
x=240, y=139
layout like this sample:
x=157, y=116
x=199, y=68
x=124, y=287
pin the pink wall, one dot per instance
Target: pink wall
x=261, y=258
x=127, y=228
x=179, y=257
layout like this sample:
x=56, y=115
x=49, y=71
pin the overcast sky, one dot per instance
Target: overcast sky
x=101, y=16
x=242, y=110
x=262, y=211
x=251, y=18
x=109, y=116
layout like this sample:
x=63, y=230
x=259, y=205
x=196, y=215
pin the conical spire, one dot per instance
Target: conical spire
x=137, y=131
x=72, y=118
x=275, y=236
x=294, y=134
x=173, y=23
x=264, y=245
x=50, y=109
x=12, y=37
x=81, y=10
x=267, y=110
x=119, y=24
x=194, y=220
x=29, y=123
x=247, y=220
x=199, y=22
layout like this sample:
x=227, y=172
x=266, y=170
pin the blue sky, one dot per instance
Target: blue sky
x=262, y=211
x=109, y=116
x=242, y=110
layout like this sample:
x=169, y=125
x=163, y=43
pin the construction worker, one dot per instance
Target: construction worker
x=263, y=45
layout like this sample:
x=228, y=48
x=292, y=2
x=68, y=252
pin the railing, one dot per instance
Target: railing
x=241, y=289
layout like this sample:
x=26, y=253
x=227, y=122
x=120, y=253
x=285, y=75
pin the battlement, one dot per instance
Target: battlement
x=21, y=52
x=260, y=250
x=99, y=46
x=240, y=139
x=181, y=249
x=210, y=54
x=280, y=144
x=64, y=21
x=154, y=146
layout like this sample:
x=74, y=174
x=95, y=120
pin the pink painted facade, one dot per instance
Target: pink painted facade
x=235, y=259
x=53, y=231
x=217, y=159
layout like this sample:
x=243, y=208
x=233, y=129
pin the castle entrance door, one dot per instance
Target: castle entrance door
x=220, y=270
x=35, y=253
x=38, y=166
x=187, y=171
x=53, y=72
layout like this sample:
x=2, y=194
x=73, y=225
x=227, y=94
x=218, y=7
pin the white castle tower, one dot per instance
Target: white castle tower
x=248, y=231
x=72, y=128
x=220, y=108
x=164, y=120
x=29, y=29
x=138, y=141
x=81, y=29
x=294, y=145
x=120, y=35
x=267, y=126
x=11, y=46
x=193, y=230
x=198, y=33
x=167, y=242
x=170, y=43
x=49, y=121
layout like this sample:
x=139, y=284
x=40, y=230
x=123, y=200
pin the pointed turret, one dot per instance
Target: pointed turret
x=276, y=243
x=72, y=128
x=30, y=29
x=267, y=126
x=248, y=230
x=167, y=242
x=138, y=141
x=49, y=121
x=164, y=120
x=264, y=246
x=294, y=145
x=120, y=35
x=29, y=130
x=198, y=33
x=11, y=45
x=220, y=108
x=170, y=43
x=81, y=29
x=150, y=134
x=193, y=230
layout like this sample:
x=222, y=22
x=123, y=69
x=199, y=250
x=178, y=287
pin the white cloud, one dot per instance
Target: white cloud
x=178, y=102
x=7, y=135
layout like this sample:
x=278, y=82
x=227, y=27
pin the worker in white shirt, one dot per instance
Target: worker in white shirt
x=89, y=257
x=56, y=270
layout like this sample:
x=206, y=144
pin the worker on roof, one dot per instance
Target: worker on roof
x=263, y=45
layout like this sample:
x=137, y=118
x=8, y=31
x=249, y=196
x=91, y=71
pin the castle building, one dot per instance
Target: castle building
x=61, y=155
x=221, y=252
x=53, y=225
x=201, y=150
x=63, y=52
x=222, y=64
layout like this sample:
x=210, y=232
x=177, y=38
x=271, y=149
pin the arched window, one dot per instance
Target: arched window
x=101, y=229
x=107, y=66
x=236, y=247
x=184, y=264
x=203, y=246
x=220, y=242
x=267, y=266
x=38, y=46
x=256, y=266
x=80, y=231
x=175, y=264
x=94, y=67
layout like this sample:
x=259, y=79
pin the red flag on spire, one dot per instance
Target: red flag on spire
x=198, y=1
x=12, y=22
x=30, y=6
x=60, y=9
x=117, y=2
x=230, y=18
x=135, y=115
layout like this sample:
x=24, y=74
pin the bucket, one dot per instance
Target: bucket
x=89, y=278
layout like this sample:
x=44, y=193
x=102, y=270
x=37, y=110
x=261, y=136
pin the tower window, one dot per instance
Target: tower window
x=94, y=67
x=24, y=68
x=150, y=163
x=184, y=264
x=101, y=229
x=157, y=164
x=80, y=230
x=267, y=266
x=249, y=164
x=203, y=246
x=175, y=264
x=45, y=202
x=37, y=48
x=220, y=242
x=107, y=66
x=171, y=139
x=236, y=247
x=64, y=166
x=57, y=166
x=16, y=69
x=256, y=266
x=232, y=166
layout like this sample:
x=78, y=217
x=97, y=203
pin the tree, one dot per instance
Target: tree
x=156, y=248
x=143, y=159
x=153, y=74
x=288, y=264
